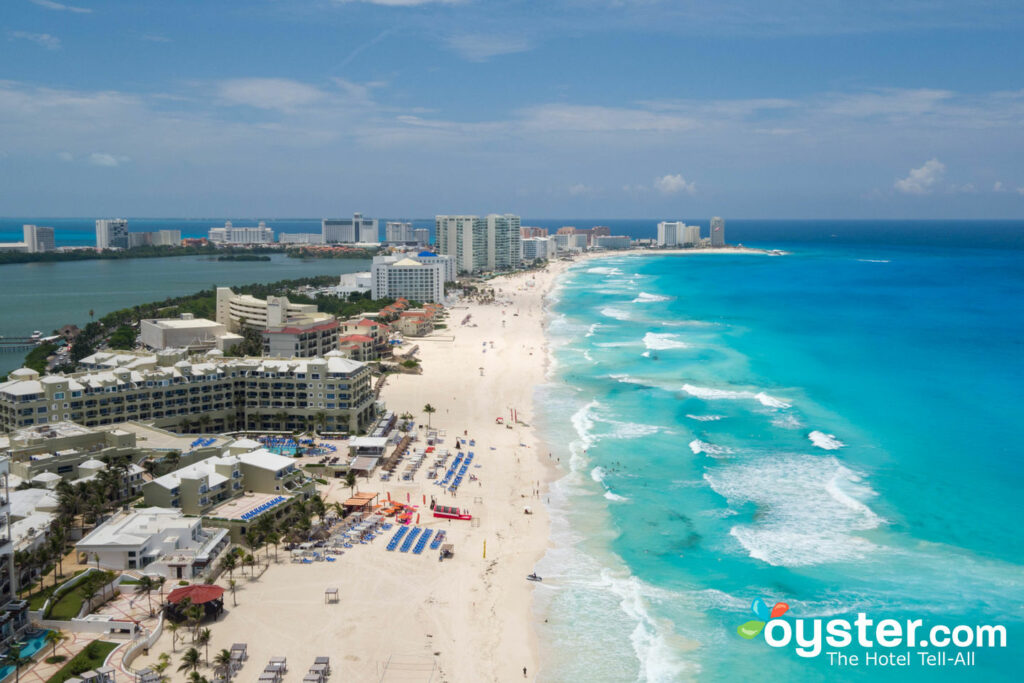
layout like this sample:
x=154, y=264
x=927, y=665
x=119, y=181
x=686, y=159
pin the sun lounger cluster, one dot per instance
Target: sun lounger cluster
x=201, y=443
x=438, y=539
x=275, y=670
x=453, y=477
x=319, y=672
x=276, y=500
x=412, y=538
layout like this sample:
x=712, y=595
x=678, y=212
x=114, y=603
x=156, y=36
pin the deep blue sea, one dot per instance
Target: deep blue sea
x=836, y=429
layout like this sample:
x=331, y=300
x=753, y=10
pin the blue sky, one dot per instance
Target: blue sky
x=564, y=108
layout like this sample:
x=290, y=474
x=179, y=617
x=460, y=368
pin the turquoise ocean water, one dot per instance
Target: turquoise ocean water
x=836, y=429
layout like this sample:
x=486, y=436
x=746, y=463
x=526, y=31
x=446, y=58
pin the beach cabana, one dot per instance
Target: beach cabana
x=360, y=502
x=209, y=597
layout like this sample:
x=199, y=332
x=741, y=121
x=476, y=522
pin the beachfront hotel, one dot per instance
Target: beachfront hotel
x=229, y=234
x=170, y=390
x=717, y=232
x=112, y=233
x=13, y=612
x=478, y=244
x=353, y=230
x=36, y=239
x=408, y=278
x=238, y=311
x=163, y=541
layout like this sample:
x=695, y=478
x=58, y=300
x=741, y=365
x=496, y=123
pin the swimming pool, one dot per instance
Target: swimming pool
x=34, y=642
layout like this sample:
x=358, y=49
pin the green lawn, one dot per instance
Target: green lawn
x=91, y=657
x=37, y=599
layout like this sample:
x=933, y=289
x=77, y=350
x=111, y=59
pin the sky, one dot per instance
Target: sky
x=556, y=108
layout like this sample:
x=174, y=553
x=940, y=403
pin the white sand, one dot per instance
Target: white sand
x=469, y=616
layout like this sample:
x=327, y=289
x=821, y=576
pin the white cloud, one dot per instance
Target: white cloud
x=153, y=38
x=921, y=180
x=104, y=159
x=481, y=47
x=50, y=4
x=580, y=190
x=674, y=184
x=41, y=39
x=998, y=186
x=590, y=119
x=269, y=93
x=65, y=156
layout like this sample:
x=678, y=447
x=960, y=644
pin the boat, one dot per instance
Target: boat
x=37, y=335
x=449, y=512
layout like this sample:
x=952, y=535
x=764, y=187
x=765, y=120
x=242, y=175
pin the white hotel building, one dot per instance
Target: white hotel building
x=410, y=278
x=229, y=234
x=112, y=233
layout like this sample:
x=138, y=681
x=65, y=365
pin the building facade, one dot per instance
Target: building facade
x=612, y=242
x=238, y=311
x=231, y=234
x=170, y=391
x=306, y=338
x=717, y=232
x=409, y=278
x=38, y=239
x=397, y=232
x=112, y=233
x=186, y=332
x=464, y=239
x=537, y=248
x=349, y=230
x=503, y=249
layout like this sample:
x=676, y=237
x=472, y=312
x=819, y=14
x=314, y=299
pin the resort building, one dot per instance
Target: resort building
x=464, y=239
x=186, y=332
x=397, y=232
x=422, y=236
x=370, y=328
x=238, y=311
x=409, y=278
x=358, y=347
x=13, y=612
x=503, y=250
x=160, y=541
x=527, y=232
x=578, y=242
x=678, y=234
x=218, y=393
x=353, y=283
x=154, y=238
x=717, y=232
x=349, y=230
x=538, y=248
x=230, y=234
x=204, y=485
x=38, y=239
x=300, y=238
x=307, y=337
x=414, y=323
x=612, y=242
x=112, y=233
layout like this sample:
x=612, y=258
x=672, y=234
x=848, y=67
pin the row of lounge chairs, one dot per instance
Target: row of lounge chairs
x=263, y=507
x=202, y=443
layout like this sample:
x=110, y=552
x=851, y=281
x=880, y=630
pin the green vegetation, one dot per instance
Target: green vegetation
x=56, y=659
x=123, y=338
x=303, y=252
x=92, y=657
x=136, y=252
x=411, y=363
x=36, y=358
x=69, y=605
x=243, y=257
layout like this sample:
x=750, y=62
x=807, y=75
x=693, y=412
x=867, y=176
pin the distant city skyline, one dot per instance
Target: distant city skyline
x=416, y=108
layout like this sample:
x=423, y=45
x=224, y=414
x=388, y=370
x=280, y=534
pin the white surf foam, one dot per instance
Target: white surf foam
x=586, y=354
x=598, y=474
x=829, y=442
x=712, y=394
x=616, y=313
x=604, y=270
x=698, y=447
x=646, y=354
x=633, y=430
x=873, y=260
x=593, y=328
x=662, y=342
x=614, y=497
x=706, y=418
x=809, y=509
x=787, y=422
x=645, y=298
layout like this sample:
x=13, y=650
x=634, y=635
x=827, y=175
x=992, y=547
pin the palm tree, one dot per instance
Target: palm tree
x=339, y=509
x=350, y=481
x=228, y=564
x=204, y=421
x=250, y=562
x=273, y=539
x=53, y=636
x=14, y=658
x=222, y=664
x=321, y=420
x=194, y=613
x=173, y=628
x=252, y=539
x=145, y=587
x=429, y=410
x=282, y=419
x=204, y=641
x=317, y=506
x=231, y=585
x=189, y=660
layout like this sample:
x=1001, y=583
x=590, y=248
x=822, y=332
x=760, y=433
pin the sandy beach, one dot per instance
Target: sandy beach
x=464, y=619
